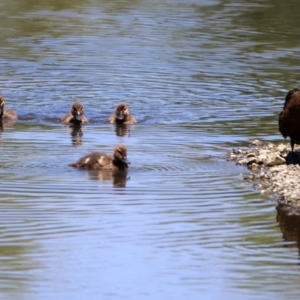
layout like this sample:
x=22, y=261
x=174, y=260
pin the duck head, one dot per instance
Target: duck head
x=120, y=155
x=122, y=112
x=77, y=111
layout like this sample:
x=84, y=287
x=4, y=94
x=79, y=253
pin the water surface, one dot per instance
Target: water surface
x=201, y=78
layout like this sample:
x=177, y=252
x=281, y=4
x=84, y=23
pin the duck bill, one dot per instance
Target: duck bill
x=125, y=161
x=120, y=117
x=78, y=117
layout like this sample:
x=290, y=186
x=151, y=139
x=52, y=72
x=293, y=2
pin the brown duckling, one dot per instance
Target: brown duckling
x=101, y=161
x=76, y=115
x=122, y=115
x=289, y=117
x=6, y=113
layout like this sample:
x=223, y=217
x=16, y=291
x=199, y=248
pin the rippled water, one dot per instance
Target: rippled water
x=201, y=77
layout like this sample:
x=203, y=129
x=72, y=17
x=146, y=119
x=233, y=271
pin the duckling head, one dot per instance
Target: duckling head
x=120, y=155
x=77, y=111
x=122, y=112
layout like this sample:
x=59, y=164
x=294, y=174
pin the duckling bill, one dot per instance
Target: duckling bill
x=122, y=115
x=6, y=113
x=76, y=115
x=289, y=117
x=101, y=161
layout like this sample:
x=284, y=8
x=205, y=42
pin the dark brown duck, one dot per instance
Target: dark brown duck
x=122, y=115
x=101, y=161
x=76, y=115
x=289, y=117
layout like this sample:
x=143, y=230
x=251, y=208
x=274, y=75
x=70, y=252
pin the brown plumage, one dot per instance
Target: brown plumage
x=76, y=115
x=122, y=115
x=6, y=113
x=101, y=161
x=289, y=117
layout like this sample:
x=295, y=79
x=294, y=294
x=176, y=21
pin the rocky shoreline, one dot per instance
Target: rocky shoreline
x=274, y=169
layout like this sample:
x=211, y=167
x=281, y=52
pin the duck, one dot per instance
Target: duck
x=6, y=113
x=101, y=161
x=289, y=117
x=76, y=115
x=122, y=115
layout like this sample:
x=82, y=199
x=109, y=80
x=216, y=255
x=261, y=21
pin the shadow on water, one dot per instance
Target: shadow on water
x=289, y=222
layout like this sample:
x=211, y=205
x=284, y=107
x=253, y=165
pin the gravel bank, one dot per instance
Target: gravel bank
x=273, y=170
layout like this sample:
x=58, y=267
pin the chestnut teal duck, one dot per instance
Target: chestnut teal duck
x=289, y=117
x=101, y=161
x=122, y=115
x=76, y=115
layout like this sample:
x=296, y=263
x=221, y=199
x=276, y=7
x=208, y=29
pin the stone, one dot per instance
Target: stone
x=257, y=142
x=281, y=148
x=274, y=160
x=273, y=170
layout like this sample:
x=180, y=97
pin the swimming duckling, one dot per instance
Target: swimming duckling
x=76, y=115
x=6, y=113
x=122, y=115
x=100, y=161
x=289, y=117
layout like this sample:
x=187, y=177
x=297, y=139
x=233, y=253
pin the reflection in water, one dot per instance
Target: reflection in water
x=76, y=134
x=122, y=129
x=4, y=123
x=289, y=222
x=119, y=178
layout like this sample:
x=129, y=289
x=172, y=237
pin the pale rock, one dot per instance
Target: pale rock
x=281, y=148
x=256, y=142
x=261, y=159
x=274, y=160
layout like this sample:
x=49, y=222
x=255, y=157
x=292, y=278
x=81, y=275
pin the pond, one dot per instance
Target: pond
x=201, y=77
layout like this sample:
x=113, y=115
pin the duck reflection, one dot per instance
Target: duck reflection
x=5, y=123
x=289, y=222
x=119, y=178
x=122, y=129
x=76, y=134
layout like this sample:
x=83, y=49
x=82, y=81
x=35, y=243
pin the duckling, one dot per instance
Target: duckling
x=122, y=115
x=76, y=115
x=100, y=161
x=6, y=113
x=289, y=117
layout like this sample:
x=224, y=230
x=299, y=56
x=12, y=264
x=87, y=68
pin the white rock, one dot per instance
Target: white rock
x=274, y=160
